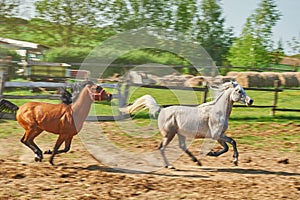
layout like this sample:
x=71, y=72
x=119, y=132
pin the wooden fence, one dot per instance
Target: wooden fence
x=50, y=85
x=276, y=90
x=122, y=95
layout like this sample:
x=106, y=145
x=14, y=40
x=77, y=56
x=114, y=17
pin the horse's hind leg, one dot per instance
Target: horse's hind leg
x=163, y=145
x=182, y=145
x=28, y=140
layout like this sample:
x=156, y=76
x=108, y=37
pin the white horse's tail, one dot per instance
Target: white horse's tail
x=143, y=103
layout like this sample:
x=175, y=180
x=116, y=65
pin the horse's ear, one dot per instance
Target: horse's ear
x=90, y=83
x=234, y=83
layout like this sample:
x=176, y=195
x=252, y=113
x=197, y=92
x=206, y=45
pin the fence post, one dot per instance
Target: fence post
x=276, y=85
x=2, y=79
x=123, y=96
x=205, y=93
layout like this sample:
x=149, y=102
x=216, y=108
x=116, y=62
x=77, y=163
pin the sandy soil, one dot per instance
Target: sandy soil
x=263, y=173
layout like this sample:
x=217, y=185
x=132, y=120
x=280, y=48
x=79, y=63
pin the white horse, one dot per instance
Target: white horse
x=208, y=120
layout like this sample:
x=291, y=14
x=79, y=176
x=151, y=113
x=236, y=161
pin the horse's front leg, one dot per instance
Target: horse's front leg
x=223, y=139
x=66, y=149
x=235, y=151
x=217, y=153
x=58, y=143
x=68, y=142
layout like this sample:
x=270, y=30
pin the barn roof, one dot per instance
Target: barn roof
x=21, y=44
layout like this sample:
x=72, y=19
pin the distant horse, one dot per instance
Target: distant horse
x=209, y=120
x=62, y=119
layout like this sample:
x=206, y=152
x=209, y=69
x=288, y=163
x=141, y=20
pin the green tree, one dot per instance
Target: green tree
x=69, y=22
x=253, y=48
x=294, y=44
x=168, y=14
x=210, y=31
x=278, y=53
x=8, y=9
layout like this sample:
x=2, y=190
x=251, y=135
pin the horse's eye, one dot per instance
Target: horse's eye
x=240, y=91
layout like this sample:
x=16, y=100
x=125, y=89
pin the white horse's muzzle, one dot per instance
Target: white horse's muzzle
x=249, y=101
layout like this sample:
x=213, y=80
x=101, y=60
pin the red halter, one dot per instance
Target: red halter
x=97, y=96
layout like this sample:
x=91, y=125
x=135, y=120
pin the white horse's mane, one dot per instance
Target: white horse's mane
x=217, y=91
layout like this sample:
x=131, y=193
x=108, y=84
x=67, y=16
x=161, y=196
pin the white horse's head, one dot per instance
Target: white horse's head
x=239, y=95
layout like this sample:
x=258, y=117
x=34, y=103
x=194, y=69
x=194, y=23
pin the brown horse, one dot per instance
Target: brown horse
x=64, y=120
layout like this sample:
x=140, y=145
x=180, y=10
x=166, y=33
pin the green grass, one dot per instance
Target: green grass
x=10, y=128
x=286, y=99
x=249, y=126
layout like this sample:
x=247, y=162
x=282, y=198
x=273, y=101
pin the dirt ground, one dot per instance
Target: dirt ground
x=263, y=173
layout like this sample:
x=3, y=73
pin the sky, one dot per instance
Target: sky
x=237, y=11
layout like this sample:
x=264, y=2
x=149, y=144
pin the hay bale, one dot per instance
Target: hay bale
x=194, y=81
x=297, y=74
x=249, y=79
x=224, y=79
x=269, y=78
x=232, y=74
x=289, y=79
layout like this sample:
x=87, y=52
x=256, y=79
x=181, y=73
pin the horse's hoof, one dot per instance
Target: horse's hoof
x=235, y=162
x=48, y=152
x=37, y=158
x=170, y=167
x=198, y=163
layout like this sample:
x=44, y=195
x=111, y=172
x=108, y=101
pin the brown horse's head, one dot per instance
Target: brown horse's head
x=100, y=94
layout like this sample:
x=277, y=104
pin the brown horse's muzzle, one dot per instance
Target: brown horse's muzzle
x=102, y=95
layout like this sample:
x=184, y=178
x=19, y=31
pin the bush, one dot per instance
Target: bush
x=4, y=52
x=67, y=54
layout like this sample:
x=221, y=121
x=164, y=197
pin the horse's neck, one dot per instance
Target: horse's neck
x=82, y=105
x=223, y=104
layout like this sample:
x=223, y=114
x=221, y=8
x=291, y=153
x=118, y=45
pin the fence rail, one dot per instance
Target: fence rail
x=122, y=95
x=205, y=90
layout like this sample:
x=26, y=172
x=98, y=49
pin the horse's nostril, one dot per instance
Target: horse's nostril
x=251, y=101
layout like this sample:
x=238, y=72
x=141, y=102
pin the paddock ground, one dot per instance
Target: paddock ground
x=264, y=172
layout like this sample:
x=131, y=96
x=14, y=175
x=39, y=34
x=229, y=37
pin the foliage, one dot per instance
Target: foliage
x=86, y=23
x=69, y=23
x=9, y=52
x=131, y=14
x=184, y=19
x=248, y=51
x=294, y=44
x=8, y=8
x=210, y=31
x=254, y=46
x=7, y=11
x=144, y=56
x=278, y=53
x=67, y=54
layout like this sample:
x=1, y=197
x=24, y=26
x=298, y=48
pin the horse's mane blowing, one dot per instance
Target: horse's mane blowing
x=217, y=91
x=77, y=88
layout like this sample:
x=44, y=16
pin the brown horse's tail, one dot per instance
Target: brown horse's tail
x=7, y=107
